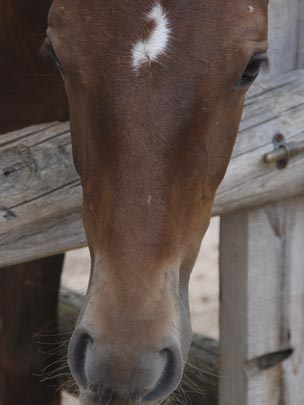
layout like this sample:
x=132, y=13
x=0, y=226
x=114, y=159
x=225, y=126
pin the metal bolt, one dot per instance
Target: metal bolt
x=283, y=151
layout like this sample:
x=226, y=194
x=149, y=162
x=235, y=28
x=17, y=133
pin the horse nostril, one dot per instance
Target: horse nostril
x=171, y=376
x=105, y=369
x=77, y=355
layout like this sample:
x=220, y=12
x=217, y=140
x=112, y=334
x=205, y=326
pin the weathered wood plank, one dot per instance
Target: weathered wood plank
x=200, y=381
x=40, y=192
x=261, y=287
x=283, y=34
x=300, y=59
x=262, y=312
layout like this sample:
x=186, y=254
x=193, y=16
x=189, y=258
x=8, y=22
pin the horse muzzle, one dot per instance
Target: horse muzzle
x=108, y=374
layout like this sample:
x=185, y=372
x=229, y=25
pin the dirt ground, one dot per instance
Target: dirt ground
x=204, y=285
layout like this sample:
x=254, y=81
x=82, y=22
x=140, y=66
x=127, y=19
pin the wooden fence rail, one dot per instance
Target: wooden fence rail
x=40, y=192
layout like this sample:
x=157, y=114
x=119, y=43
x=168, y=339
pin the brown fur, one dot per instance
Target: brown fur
x=151, y=149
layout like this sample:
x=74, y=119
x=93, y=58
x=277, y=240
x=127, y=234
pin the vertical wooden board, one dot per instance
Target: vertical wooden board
x=284, y=18
x=263, y=388
x=267, y=228
x=233, y=296
x=293, y=310
x=240, y=381
x=262, y=269
x=300, y=63
x=262, y=304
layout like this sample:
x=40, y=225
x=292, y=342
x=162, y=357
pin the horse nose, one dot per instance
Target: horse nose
x=147, y=375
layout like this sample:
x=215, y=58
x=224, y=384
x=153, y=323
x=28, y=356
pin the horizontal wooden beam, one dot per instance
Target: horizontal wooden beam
x=40, y=192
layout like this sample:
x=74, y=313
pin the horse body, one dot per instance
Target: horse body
x=155, y=92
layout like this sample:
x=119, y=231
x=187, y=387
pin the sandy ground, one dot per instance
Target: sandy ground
x=204, y=285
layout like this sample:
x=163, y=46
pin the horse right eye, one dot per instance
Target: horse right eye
x=257, y=62
x=53, y=55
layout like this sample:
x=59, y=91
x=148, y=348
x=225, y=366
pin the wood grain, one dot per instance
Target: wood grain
x=262, y=278
x=261, y=259
x=300, y=58
x=284, y=18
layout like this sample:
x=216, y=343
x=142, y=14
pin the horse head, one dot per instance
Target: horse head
x=156, y=92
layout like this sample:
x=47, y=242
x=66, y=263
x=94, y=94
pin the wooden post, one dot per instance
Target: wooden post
x=262, y=306
x=262, y=270
x=300, y=50
x=285, y=21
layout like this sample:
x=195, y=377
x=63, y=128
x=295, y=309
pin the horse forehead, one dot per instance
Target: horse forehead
x=125, y=35
x=119, y=15
x=150, y=26
x=131, y=10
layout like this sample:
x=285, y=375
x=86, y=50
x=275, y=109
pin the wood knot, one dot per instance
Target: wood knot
x=6, y=214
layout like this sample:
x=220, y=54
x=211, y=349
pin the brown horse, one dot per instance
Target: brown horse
x=155, y=91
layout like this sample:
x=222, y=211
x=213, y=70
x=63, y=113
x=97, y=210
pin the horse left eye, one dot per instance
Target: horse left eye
x=54, y=57
x=257, y=62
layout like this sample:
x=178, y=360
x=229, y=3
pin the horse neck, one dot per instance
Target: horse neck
x=29, y=87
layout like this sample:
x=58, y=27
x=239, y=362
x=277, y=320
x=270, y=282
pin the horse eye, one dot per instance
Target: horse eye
x=54, y=56
x=257, y=62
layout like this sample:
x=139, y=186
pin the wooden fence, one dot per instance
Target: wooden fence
x=262, y=223
x=262, y=250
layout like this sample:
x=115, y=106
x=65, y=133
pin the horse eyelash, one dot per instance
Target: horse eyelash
x=265, y=65
x=264, y=62
x=44, y=51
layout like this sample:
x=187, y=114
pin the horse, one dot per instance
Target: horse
x=155, y=92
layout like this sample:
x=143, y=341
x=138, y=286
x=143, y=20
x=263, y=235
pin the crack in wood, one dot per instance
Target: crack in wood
x=74, y=183
x=34, y=131
x=268, y=360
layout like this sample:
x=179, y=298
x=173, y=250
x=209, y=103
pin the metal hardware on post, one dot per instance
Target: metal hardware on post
x=283, y=151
